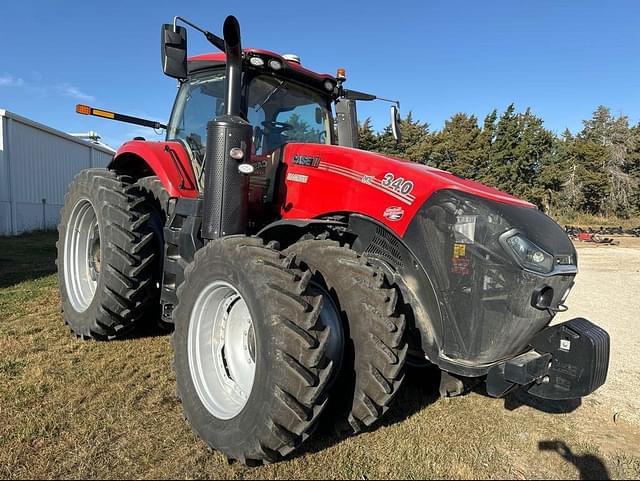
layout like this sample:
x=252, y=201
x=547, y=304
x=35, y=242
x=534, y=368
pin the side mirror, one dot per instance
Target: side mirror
x=395, y=123
x=173, y=47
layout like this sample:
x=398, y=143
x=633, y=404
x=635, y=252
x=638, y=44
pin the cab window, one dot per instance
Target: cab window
x=282, y=111
x=199, y=100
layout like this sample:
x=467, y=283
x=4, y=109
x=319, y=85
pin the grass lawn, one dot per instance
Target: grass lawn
x=78, y=409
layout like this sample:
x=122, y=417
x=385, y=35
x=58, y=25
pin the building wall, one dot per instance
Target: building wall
x=37, y=164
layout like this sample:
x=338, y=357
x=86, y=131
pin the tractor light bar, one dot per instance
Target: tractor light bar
x=105, y=114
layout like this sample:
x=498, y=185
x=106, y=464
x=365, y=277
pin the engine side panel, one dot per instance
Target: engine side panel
x=325, y=179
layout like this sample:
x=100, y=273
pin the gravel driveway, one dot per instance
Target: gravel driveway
x=607, y=292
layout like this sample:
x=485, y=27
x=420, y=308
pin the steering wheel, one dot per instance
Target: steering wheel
x=275, y=125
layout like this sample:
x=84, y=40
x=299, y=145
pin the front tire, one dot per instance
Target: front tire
x=254, y=349
x=375, y=342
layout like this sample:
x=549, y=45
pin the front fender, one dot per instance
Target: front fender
x=168, y=160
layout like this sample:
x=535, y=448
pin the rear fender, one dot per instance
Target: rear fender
x=168, y=160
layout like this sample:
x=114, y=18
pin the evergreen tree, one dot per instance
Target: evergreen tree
x=458, y=148
x=367, y=138
x=633, y=168
x=416, y=141
x=534, y=150
x=504, y=150
x=610, y=141
x=557, y=174
x=487, y=136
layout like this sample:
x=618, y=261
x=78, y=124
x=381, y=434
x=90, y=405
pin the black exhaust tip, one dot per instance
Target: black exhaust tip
x=233, y=50
x=231, y=32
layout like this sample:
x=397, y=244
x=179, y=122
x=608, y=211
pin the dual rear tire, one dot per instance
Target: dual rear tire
x=108, y=254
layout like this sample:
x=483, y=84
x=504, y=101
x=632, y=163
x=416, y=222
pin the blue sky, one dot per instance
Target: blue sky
x=561, y=58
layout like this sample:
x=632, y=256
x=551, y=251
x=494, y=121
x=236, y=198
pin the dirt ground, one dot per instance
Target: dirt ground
x=607, y=292
x=74, y=409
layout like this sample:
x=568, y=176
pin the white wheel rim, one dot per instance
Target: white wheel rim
x=82, y=255
x=222, y=350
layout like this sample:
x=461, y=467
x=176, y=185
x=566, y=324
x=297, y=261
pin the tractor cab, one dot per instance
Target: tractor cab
x=282, y=101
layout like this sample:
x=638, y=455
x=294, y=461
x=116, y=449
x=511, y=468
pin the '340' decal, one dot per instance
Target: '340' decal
x=398, y=184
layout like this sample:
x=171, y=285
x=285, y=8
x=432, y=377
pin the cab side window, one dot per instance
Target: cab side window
x=307, y=123
x=198, y=102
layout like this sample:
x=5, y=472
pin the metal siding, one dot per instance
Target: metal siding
x=42, y=162
x=101, y=159
x=5, y=205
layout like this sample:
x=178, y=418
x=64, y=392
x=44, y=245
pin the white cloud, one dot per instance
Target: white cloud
x=64, y=89
x=72, y=91
x=7, y=80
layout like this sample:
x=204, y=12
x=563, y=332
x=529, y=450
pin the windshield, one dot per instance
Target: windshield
x=282, y=111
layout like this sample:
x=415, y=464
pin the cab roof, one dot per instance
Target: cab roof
x=290, y=68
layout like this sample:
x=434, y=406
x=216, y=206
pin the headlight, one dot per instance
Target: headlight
x=256, y=61
x=529, y=255
x=275, y=64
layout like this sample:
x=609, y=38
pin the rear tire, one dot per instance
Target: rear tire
x=157, y=199
x=263, y=407
x=106, y=255
x=375, y=341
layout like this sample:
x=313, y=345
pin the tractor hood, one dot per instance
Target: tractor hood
x=326, y=179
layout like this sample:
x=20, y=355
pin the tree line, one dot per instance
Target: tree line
x=596, y=171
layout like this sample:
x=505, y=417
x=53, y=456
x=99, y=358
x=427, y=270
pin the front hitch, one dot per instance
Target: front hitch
x=567, y=361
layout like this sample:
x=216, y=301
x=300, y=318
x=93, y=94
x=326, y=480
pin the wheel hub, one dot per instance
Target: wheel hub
x=82, y=255
x=222, y=350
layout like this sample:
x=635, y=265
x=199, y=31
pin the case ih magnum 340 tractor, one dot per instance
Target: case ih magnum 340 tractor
x=298, y=270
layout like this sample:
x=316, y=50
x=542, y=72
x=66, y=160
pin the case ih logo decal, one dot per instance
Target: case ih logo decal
x=306, y=160
x=396, y=187
x=394, y=213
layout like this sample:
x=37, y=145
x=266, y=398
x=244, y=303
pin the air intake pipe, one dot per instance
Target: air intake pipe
x=226, y=193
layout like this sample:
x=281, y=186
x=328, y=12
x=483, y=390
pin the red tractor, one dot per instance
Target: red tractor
x=296, y=269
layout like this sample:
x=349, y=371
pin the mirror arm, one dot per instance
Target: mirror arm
x=397, y=102
x=212, y=38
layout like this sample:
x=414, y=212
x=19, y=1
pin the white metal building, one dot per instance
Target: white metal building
x=37, y=163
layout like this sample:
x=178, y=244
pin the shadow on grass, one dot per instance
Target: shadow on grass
x=519, y=398
x=522, y=398
x=27, y=257
x=589, y=465
x=419, y=390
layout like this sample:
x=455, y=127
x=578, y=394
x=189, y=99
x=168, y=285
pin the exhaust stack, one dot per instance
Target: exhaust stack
x=226, y=194
x=233, y=49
